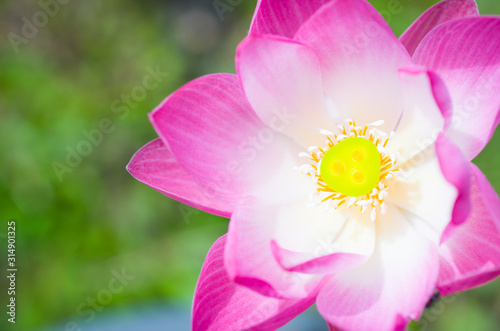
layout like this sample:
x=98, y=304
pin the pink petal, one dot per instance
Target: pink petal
x=220, y=304
x=426, y=101
x=471, y=257
x=250, y=261
x=391, y=288
x=210, y=129
x=435, y=189
x=282, y=81
x=466, y=53
x=307, y=239
x=435, y=179
x=311, y=239
x=282, y=17
x=399, y=325
x=155, y=166
x=441, y=12
x=359, y=56
x=456, y=170
x=310, y=263
x=424, y=195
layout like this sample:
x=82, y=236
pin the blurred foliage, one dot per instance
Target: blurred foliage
x=74, y=230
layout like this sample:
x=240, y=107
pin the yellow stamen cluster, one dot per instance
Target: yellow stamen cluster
x=332, y=198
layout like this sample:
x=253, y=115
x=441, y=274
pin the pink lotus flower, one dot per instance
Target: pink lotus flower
x=341, y=154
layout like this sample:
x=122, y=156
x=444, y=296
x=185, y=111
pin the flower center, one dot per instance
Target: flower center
x=351, y=167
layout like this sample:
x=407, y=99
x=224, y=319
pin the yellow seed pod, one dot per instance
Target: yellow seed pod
x=352, y=167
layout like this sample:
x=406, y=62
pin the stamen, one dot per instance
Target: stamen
x=326, y=132
x=304, y=154
x=331, y=198
x=377, y=123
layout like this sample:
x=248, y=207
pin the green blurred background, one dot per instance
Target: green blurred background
x=78, y=224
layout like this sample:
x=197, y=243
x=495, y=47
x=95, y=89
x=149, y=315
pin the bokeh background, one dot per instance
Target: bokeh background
x=81, y=70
